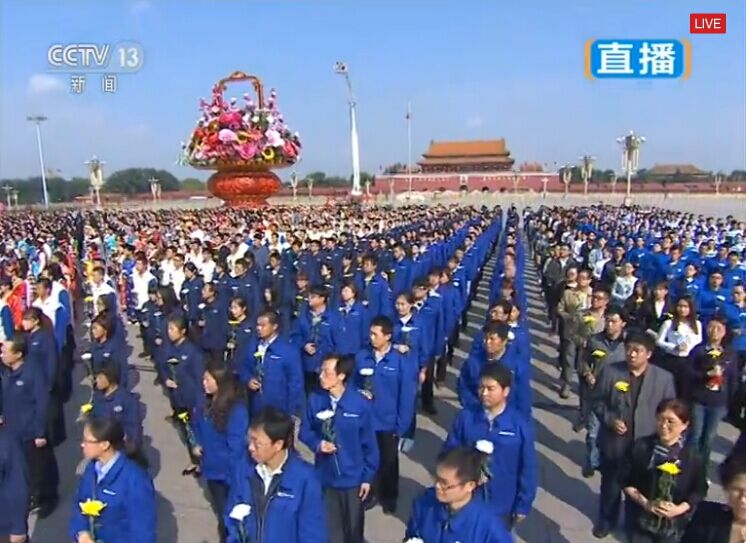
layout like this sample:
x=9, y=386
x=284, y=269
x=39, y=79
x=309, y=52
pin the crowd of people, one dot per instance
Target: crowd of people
x=650, y=311
x=331, y=327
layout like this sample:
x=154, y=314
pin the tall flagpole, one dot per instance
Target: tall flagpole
x=409, y=145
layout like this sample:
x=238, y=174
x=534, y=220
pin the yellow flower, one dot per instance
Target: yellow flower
x=715, y=353
x=598, y=353
x=589, y=319
x=88, y=299
x=183, y=417
x=234, y=323
x=91, y=508
x=639, y=300
x=670, y=468
x=268, y=154
x=258, y=355
x=86, y=408
x=622, y=386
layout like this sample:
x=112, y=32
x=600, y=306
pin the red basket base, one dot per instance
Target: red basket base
x=243, y=188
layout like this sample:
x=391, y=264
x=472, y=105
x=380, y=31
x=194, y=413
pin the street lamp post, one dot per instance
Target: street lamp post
x=630, y=156
x=155, y=188
x=8, y=189
x=566, y=178
x=613, y=178
x=341, y=69
x=544, y=181
x=516, y=180
x=586, y=171
x=294, y=185
x=15, y=198
x=38, y=119
x=718, y=180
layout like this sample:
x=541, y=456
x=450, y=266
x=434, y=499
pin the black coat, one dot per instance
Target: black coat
x=711, y=524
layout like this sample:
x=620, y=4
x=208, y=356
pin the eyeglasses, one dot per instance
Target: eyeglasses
x=446, y=487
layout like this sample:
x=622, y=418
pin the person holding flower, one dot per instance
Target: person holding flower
x=274, y=495
x=666, y=479
x=220, y=424
x=713, y=382
x=450, y=512
x=677, y=338
x=510, y=489
x=241, y=343
x=338, y=427
x=106, y=350
x=115, y=499
x=625, y=399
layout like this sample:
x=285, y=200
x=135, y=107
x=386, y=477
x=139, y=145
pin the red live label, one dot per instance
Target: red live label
x=707, y=23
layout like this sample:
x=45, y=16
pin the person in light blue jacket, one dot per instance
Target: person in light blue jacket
x=451, y=512
x=337, y=427
x=275, y=496
x=117, y=486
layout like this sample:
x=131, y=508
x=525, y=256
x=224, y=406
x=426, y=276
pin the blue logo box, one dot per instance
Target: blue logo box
x=637, y=59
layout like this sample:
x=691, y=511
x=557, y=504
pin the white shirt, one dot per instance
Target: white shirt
x=140, y=284
x=669, y=338
x=167, y=267
x=266, y=475
x=104, y=289
x=177, y=279
x=208, y=270
x=48, y=307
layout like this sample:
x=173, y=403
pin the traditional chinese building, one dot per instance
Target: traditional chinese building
x=676, y=173
x=466, y=157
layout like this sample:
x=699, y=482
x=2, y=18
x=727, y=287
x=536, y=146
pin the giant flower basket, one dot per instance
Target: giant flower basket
x=244, y=141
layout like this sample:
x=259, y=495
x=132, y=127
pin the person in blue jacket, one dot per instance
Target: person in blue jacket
x=451, y=512
x=275, y=496
x=273, y=372
x=186, y=365
x=506, y=437
x=315, y=333
x=373, y=288
x=429, y=309
x=497, y=348
x=337, y=427
x=105, y=349
x=213, y=324
x=352, y=333
x=14, y=487
x=112, y=401
x=712, y=299
x=191, y=292
x=112, y=480
x=384, y=376
x=25, y=396
x=400, y=275
x=220, y=425
x=246, y=285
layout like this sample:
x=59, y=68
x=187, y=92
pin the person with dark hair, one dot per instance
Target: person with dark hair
x=112, y=401
x=352, y=333
x=165, y=304
x=511, y=488
x=115, y=488
x=25, y=408
x=338, y=427
x=241, y=342
x=497, y=348
x=449, y=511
x=7, y=327
x=105, y=350
x=315, y=332
x=374, y=291
x=212, y=324
x=220, y=426
x=713, y=381
x=191, y=293
x=14, y=487
x=723, y=523
x=677, y=338
x=385, y=378
x=275, y=287
x=665, y=481
x=106, y=308
x=606, y=347
x=185, y=367
x=625, y=398
x=275, y=495
x=712, y=299
x=400, y=274
x=273, y=373
x=245, y=284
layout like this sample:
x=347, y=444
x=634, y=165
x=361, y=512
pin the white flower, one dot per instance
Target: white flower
x=414, y=540
x=240, y=511
x=406, y=329
x=86, y=356
x=485, y=446
x=366, y=372
x=325, y=415
x=201, y=306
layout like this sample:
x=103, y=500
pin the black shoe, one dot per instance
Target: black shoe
x=600, y=531
x=564, y=392
x=370, y=503
x=47, y=508
x=33, y=505
x=389, y=509
x=430, y=409
x=578, y=426
x=588, y=471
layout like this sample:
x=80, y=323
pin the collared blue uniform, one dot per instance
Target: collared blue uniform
x=107, y=352
x=281, y=375
x=357, y=449
x=247, y=288
x=352, y=334
x=129, y=515
x=432, y=521
x=221, y=449
x=121, y=406
x=216, y=331
x=733, y=276
x=188, y=373
x=392, y=387
x=43, y=354
x=736, y=317
x=512, y=487
x=14, y=485
x=711, y=302
x=321, y=330
x=375, y=296
x=292, y=511
x=191, y=297
x=402, y=276
x=25, y=398
x=241, y=335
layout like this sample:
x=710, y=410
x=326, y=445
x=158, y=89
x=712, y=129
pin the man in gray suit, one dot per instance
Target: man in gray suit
x=625, y=400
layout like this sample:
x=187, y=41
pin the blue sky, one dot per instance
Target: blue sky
x=471, y=68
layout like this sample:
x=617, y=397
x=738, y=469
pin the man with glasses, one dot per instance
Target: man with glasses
x=449, y=511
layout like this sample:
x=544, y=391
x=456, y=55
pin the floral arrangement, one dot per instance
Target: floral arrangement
x=92, y=510
x=240, y=134
x=662, y=492
x=239, y=512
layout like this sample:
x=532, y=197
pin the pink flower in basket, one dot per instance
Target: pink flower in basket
x=227, y=136
x=248, y=150
x=273, y=138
